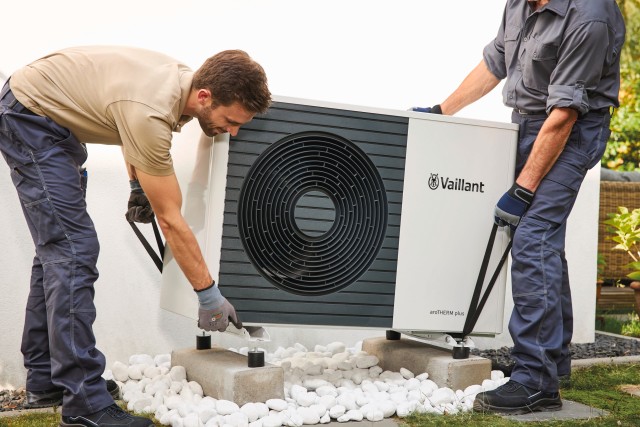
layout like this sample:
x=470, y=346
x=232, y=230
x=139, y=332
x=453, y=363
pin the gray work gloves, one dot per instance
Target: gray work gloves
x=215, y=311
x=138, y=208
x=512, y=205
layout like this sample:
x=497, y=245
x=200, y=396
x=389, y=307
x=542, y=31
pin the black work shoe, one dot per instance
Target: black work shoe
x=514, y=398
x=111, y=416
x=53, y=397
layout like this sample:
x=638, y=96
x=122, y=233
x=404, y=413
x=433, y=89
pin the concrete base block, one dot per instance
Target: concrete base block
x=224, y=374
x=419, y=357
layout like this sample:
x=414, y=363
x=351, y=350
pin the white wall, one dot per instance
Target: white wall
x=387, y=54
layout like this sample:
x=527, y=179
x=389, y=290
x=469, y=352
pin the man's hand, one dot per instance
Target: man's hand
x=138, y=208
x=512, y=205
x=215, y=311
x=433, y=110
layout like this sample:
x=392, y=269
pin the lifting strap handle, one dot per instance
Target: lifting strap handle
x=477, y=303
x=157, y=258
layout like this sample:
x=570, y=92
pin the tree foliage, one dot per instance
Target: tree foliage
x=623, y=147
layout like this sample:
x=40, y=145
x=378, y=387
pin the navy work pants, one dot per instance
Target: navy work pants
x=541, y=323
x=58, y=343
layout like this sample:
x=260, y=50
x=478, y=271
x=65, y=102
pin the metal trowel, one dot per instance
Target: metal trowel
x=249, y=333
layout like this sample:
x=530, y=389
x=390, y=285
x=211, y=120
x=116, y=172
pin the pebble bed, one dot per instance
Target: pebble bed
x=327, y=383
x=604, y=346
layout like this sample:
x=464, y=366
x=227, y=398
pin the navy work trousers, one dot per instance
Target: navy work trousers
x=58, y=343
x=541, y=323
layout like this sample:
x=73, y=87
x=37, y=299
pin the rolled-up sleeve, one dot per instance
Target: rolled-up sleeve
x=493, y=54
x=581, y=59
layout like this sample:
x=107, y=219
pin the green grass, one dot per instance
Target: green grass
x=43, y=419
x=596, y=386
x=622, y=323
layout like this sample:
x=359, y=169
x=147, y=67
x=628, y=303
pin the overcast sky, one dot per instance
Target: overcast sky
x=387, y=54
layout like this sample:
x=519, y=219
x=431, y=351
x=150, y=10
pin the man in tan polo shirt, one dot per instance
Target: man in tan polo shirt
x=123, y=96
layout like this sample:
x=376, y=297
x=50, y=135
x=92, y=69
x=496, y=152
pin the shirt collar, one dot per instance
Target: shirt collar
x=558, y=7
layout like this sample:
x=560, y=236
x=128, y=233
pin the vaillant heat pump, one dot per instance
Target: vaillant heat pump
x=322, y=214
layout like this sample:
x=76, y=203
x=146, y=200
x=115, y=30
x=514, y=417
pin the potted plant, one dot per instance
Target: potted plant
x=625, y=227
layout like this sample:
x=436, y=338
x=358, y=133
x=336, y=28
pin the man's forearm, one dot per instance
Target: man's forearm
x=547, y=148
x=477, y=84
x=186, y=251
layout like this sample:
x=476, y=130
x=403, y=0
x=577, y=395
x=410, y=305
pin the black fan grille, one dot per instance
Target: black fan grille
x=340, y=176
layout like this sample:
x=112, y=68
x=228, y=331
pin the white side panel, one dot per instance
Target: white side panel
x=203, y=207
x=444, y=231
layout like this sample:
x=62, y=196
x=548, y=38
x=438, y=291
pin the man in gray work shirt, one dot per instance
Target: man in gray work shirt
x=561, y=61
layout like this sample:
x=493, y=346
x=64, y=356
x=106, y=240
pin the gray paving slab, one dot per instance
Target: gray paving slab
x=570, y=411
x=387, y=422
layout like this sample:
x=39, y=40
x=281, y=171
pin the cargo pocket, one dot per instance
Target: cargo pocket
x=38, y=209
x=530, y=306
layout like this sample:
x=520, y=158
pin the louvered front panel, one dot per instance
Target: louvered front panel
x=312, y=217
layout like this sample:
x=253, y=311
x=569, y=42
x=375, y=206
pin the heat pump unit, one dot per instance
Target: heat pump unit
x=322, y=214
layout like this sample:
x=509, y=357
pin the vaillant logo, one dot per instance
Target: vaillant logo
x=455, y=184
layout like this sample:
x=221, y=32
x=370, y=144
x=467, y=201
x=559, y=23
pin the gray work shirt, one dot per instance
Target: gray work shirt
x=565, y=54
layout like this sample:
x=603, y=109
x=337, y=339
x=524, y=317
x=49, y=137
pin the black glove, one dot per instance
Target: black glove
x=433, y=110
x=215, y=311
x=512, y=205
x=138, y=208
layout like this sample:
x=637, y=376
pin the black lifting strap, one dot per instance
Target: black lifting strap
x=475, y=308
x=157, y=259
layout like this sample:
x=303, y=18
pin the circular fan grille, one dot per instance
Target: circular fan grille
x=347, y=217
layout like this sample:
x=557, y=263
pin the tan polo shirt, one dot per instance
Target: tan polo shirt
x=111, y=95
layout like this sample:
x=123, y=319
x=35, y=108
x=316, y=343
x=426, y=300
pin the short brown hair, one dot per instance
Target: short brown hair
x=232, y=76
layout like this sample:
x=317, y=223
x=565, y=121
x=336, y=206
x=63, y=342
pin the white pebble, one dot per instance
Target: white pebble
x=326, y=418
x=442, y=396
x=162, y=359
x=337, y=411
x=237, y=419
x=387, y=407
x=277, y=404
x=354, y=415
x=375, y=371
x=497, y=375
x=412, y=384
x=307, y=399
x=314, y=383
x=251, y=411
x=226, y=407
x=120, y=371
x=196, y=388
x=326, y=390
x=178, y=373
x=191, y=420
x=374, y=415
x=406, y=373
x=309, y=416
x=151, y=372
x=272, y=420
x=366, y=361
x=423, y=376
x=205, y=413
x=489, y=385
x=336, y=347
